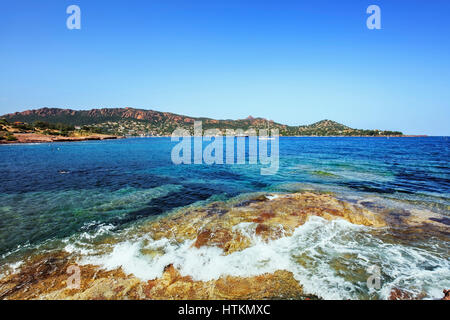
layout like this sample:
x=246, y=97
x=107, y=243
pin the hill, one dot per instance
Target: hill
x=130, y=121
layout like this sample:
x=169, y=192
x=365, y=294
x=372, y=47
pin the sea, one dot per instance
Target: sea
x=70, y=196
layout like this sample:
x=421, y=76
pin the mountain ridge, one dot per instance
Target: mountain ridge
x=133, y=121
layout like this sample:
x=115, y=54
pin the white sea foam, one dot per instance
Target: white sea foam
x=10, y=268
x=81, y=243
x=319, y=244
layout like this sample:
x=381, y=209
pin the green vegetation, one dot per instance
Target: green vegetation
x=95, y=129
x=22, y=127
x=10, y=137
x=59, y=129
x=3, y=125
x=58, y=126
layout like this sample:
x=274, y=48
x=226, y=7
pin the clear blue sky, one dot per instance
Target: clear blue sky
x=294, y=62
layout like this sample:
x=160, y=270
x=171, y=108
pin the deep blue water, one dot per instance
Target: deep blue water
x=54, y=190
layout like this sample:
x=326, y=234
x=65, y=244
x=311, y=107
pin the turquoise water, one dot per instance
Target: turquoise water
x=51, y=192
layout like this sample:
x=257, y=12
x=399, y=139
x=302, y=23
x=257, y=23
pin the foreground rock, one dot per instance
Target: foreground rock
x=217, y=224
x=270, y=218
x=47, y=279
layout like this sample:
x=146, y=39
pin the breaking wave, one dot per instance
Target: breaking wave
x=329, y=259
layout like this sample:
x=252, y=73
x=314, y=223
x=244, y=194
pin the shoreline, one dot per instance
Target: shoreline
x=33, y=138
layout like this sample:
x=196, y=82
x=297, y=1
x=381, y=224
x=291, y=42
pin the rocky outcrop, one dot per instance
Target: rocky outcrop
x=42, y=138
x=214, y=224
x=217, y=224
x=47, y=279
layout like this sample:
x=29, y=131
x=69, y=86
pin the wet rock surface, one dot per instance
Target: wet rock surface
x=219, y=224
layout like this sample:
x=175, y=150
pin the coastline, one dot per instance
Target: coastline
x=32, y=138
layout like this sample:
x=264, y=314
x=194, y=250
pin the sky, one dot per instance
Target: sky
x=294, y=62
